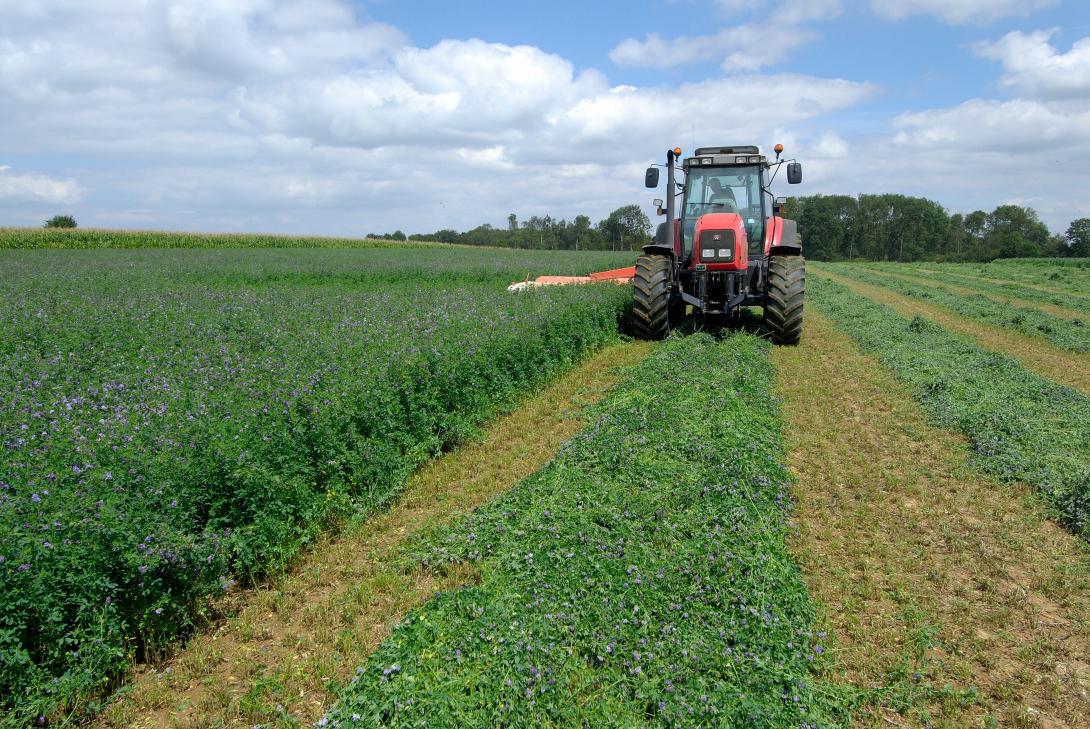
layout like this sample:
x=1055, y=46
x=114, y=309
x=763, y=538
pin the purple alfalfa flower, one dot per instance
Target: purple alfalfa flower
x=77, y=470
x=109, y=476
x=47, y=545
x=35, y=498
x=158, y=611
x=24, y=567
x=108, y=599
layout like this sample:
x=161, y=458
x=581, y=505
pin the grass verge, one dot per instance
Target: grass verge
x=291, y=644
x=1072, y=334
x=1068, y=368
x=1021, y=427
x=641, y=578
x=952, y=592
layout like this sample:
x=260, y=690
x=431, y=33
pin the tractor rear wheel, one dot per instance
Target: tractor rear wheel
x=783, y=298
x=651, y=308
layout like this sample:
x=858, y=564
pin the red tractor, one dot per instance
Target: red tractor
x=727, y=249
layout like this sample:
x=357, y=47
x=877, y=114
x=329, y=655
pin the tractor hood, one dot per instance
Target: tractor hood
x=719, y=242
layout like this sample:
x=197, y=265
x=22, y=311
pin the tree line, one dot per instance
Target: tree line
x=903, y=228
x=625, y=229
x=833, y=227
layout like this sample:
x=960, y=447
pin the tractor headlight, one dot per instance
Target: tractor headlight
x=707, y=254
x=724, y=253
x=739, y=160
x=706, y=161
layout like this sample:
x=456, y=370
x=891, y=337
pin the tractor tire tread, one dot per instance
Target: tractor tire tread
x=784, y=298
x=651, y=297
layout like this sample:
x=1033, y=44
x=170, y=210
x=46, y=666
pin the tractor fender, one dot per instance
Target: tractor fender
x=654, y=249
x=661, y=245
x=786, y=240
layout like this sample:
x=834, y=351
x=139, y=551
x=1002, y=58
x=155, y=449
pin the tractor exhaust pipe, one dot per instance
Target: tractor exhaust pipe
x=671, y=155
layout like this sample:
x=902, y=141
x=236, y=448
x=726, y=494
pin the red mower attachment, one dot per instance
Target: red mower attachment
x=616, y=275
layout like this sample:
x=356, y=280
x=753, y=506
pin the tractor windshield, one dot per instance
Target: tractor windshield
x=723, y=190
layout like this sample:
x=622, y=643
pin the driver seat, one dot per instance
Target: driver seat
x=723, y=202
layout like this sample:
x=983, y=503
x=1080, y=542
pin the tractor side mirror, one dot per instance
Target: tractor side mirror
x=794, y=173
x=651, y=179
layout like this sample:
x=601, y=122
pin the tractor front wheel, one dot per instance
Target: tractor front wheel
x=783, y=299
x=651, y=308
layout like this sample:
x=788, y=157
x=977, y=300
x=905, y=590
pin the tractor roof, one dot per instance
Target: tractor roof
x=748, y=149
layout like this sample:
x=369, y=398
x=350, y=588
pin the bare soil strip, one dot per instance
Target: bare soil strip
x=292, y=643
x=1068, y=368
x=1002, y=298
x=929, y=575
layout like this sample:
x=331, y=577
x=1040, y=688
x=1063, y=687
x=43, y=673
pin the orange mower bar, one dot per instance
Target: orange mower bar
x=616, y=275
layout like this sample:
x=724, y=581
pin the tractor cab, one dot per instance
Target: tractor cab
x=724, y=190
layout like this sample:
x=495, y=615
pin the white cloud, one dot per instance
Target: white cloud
x=24, y=187
x=304, y=117
x=974, y=155
x=830, y=145
x=958, y=12
x=739, y=6
x=740, y=46
x=792, y=12
x=1034, y=67
x=1020, y=130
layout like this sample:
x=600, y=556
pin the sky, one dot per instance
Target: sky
x=343, y=117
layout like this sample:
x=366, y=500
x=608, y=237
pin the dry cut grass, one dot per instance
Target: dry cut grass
x=292, y=643
x=1068, y=368
x=1049, y=290
x=950, y=595
x=921, y=279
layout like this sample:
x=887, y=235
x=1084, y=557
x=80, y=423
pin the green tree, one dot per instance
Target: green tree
x=626, y=227
x=957, y=237
x=1013, y=231
x=826, y=222
x=61, y=221
x=1077, y=238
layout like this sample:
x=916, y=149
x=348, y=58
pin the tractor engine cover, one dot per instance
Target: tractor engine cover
x=719, y=242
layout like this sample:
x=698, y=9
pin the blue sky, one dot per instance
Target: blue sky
x=340, y=117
